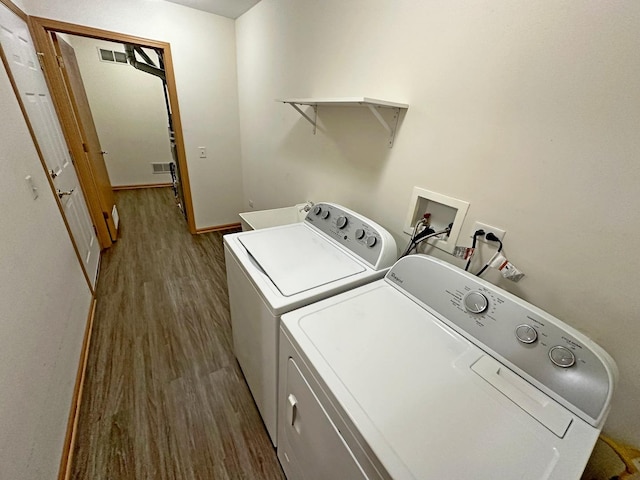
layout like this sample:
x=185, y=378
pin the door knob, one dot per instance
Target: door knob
x=103, y=152
x=62, y=194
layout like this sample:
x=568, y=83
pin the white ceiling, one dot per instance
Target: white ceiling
x=226, y=8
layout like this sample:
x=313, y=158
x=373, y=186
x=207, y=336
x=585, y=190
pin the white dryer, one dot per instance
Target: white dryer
x=275, y=270
x=432, y=373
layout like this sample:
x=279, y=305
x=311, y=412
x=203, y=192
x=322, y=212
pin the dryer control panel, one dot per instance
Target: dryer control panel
x=547, y=352
x=361, y=236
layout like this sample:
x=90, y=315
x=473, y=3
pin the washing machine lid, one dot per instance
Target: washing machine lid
x=413, y=388
x=296, y=258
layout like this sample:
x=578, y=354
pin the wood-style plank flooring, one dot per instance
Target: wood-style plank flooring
x=164, y=397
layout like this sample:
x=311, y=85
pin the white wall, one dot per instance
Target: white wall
x=129, y=111
x=528, y=110
x=45, y=303
x=203, y=49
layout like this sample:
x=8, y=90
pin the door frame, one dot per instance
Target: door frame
x=40, y=30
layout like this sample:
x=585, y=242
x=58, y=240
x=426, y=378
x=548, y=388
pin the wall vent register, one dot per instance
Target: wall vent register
x=112, y=56
x=161, y=167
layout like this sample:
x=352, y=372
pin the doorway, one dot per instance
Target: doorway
x=126, y=89
x=44, y=33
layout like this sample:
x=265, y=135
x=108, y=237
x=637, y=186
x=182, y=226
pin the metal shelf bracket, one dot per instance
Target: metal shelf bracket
x=313, y=121
x=391, y=130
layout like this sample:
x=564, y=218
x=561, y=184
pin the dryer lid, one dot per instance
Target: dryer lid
x=406, y=382
x=297, y=259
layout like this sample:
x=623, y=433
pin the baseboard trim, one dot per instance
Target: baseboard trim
x=220, y=228
x=115, y=188
x=72, y=424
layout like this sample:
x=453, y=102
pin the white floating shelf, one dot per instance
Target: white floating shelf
x=345, y=102
x=372, y=104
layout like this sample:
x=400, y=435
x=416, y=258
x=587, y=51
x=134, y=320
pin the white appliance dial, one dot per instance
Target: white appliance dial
x=359, y=234
x=317, y=210
x=342, y=222
x=526, y=333
x=326, y=214
x=371, y=242
x=475, y=302
x=562, y=356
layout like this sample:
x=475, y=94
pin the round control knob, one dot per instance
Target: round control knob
x=317, y=210
x=326, y=214
x=359, y=234
x=475, y=302
x=342, y=222
x=562, y=356
x=526, y=333
x=371, y=241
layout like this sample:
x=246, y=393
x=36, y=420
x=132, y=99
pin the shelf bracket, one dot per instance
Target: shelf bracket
x=313, y=121
x=390, y=129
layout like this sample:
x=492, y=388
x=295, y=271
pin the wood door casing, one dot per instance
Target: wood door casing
x=40, y=30
x=84, y=118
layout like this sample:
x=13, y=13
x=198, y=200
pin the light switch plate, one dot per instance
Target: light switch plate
x=32, y=186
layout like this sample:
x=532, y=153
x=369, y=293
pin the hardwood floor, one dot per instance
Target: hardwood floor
x=164, y=397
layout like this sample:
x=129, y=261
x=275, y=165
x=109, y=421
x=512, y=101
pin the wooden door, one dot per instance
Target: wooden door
x=28, y=79
x=91, y=142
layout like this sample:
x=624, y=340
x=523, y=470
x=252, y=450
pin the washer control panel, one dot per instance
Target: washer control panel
x=363, y=237
x=539, y=347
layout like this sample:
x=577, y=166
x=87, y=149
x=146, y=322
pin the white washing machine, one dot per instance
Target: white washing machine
x=432, y=373
x=275, y=270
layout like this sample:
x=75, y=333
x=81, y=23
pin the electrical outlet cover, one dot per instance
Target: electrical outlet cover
x=498, y=232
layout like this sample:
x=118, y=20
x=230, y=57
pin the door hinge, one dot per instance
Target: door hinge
x=60, y=61
x=105, y=215
x=40, y=56
x=85, y=148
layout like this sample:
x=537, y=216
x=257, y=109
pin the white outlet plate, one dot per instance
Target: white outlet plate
x=203, y=152
x=498, y=232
